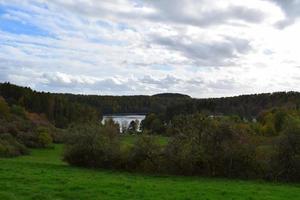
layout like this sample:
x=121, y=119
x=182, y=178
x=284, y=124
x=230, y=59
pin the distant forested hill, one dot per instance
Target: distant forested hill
x=62, y=109
x=247, y=106
x=131, y=104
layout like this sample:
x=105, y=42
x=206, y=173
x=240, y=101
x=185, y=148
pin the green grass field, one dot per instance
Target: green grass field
x=129, y=140
x=42, y=175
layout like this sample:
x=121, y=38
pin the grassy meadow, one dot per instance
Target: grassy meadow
x=43, y=175
x=129, y=140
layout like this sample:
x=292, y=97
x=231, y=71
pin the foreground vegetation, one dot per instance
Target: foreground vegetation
x=200, y=145
x=42, y=175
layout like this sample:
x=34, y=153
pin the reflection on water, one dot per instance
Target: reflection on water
x=124, y=120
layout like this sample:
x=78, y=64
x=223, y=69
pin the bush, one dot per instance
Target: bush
x=184, y=157
x=145, y=155
x=286, y=161
x=44, y=139
x=93, y=145
x=39, y=138
x=229, y=150
x=10, y=147
x=153, y=123
x=263, y=157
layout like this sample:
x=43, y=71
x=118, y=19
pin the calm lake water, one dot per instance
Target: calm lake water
x=124, y=120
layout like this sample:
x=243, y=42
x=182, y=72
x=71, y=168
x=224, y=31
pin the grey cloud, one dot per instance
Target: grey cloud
x=112, y=86
x=291, y=8
x=165, y=82
x=195, y=82
x=223, y=84
x=60, y=80
x=216, y=53
x=195, y=13
x=176, y=11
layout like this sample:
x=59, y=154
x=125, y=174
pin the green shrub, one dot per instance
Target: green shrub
x=263, y=157
x=44, y=139
x=39, y=138
x=286, y=161
x=10, y=147
x=145, y=154
x=153, y=124
x=93, y=145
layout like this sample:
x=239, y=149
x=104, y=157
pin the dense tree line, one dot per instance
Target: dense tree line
x=200, y=145
x=131, y=104
x=245, y=106
x=60, y=110
x=63, y=109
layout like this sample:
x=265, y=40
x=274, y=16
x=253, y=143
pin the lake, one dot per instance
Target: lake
x=124, y=120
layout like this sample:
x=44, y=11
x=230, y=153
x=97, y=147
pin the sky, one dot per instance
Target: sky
x=202, y=48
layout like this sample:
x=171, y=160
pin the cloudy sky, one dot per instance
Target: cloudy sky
x=203, y=48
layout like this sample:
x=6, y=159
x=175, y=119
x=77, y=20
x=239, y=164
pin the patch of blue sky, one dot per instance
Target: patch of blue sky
x=20, y=28
x=15, y=26
x=2, y=10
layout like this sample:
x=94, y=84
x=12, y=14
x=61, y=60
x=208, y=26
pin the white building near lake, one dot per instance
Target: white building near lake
x=124, y=120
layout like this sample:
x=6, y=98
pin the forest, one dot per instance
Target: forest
x=63, y=109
